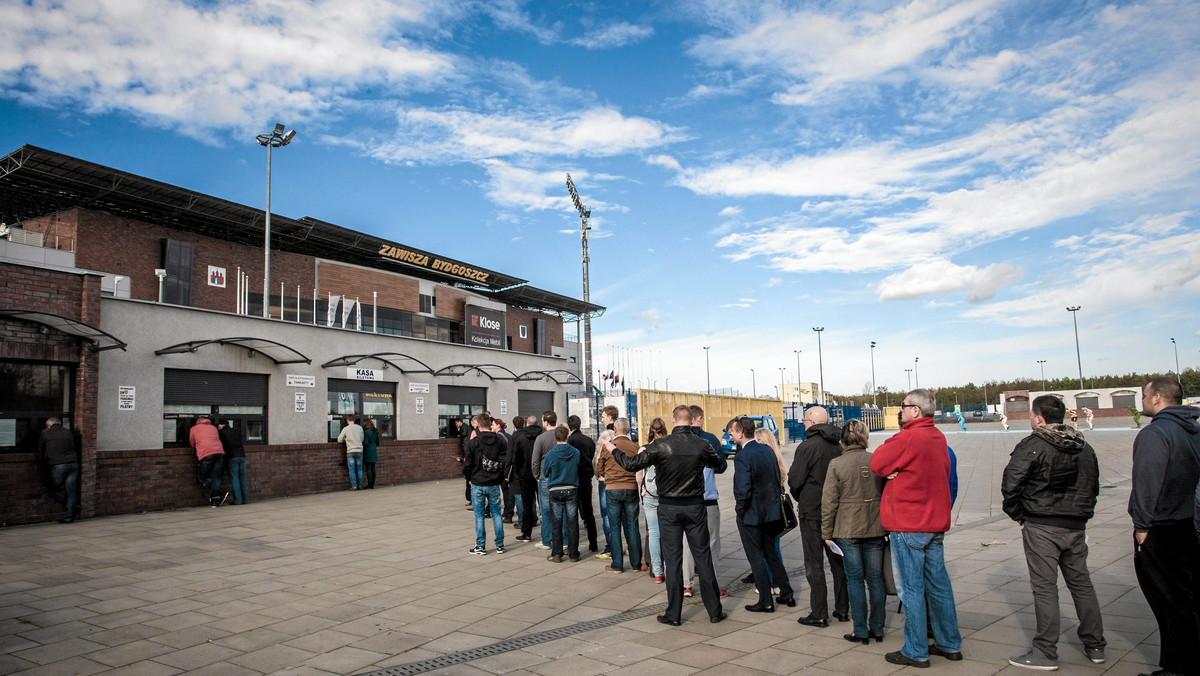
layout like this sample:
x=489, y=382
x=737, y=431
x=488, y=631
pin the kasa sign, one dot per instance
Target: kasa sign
x=485, y=327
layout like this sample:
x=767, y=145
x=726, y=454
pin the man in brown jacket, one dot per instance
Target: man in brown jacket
x=623, y=499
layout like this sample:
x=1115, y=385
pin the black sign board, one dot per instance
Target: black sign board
x=484, y=327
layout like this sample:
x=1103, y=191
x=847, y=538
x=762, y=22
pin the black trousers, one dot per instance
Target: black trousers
x=586, y=512
x=759, y=543
x=510, y=499
x=208, y=471
x=815, y=553
x=369, y=473
x=1168, y=570
x=674, y=522
x=529, y=490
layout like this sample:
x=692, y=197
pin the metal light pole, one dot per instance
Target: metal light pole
x=1178, y=378
x=797, y=374
x=820, y=363
x=707, y=376
x=916, y=373
x=753, y=386
x=908, y=374
x=781, y=371
x=1073, y=309
x=874, y=394
x=1042, y=363
x=584, y=214
x=276, y=139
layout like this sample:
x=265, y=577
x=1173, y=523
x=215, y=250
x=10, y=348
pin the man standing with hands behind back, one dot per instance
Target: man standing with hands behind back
x=806, y=479
x=756, y=491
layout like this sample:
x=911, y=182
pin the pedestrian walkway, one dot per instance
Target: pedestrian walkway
x=381, y=581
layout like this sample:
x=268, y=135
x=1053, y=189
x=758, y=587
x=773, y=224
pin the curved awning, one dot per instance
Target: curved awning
x=455, y=370
x=73, y=327
x=388, y=359
x=276, y=352
x=570, y=379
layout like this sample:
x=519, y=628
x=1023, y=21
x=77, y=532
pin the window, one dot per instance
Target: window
x=177, y=260
x=240, y=398
x=29, y=394
x=1088, y=400
x=455, y=402
x=524, y=331
x=1123, y=399
x=363, y=399
x=425, y=304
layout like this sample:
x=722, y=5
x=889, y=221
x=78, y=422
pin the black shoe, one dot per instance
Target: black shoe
x=810, y=621
x=665, y=620
x=67, y=520
x=842, y=617
x=719, y=618
x=952, y=656
x=904, y=660
x=789, y=601
x=554, y=559
x=878, y=638
x=857, y=639
x=749, y=579
x=1162, y=672
x=761, y=608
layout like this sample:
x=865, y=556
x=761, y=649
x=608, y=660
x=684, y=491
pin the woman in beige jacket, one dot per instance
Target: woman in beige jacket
x=850, y=519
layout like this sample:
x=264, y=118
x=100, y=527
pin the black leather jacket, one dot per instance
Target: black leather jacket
x=1052, y=478
x=679, y=460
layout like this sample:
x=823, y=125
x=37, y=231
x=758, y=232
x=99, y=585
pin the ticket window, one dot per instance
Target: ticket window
x=188, y=396
x=364, y=400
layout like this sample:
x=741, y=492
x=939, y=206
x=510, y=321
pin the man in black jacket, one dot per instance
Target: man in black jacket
x=1050, y=487
x=679, y=460
x=484, y=464
x=1166, y=559
x=57, y=449
x=806, y=479
x=521, y=451
x=583, y=497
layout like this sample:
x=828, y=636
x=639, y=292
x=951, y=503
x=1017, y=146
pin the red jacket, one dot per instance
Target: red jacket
x=205, y=439
x=918, y=499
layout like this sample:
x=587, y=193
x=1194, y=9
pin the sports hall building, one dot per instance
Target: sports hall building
x=130, y=308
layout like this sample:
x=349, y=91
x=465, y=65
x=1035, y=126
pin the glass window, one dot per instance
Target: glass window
x=363, y=400
x=29, y=394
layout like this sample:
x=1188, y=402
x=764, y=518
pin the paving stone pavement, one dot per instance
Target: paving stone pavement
x=358, y=582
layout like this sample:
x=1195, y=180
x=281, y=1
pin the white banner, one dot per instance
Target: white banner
x=363, y=374
x=419, y=388
x=332, y=311
x=301, y=381
x=347, y=308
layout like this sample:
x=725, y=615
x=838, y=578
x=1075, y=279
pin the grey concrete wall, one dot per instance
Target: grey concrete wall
x=147, y=327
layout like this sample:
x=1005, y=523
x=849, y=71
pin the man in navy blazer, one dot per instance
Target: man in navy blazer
x=756, y=490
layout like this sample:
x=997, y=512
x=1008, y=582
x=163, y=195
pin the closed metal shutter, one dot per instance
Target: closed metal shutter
x=466, y=396
x=534, y=402
x=181, y=386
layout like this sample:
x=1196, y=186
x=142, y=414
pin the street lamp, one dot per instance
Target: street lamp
x=1073, y=309
x=276, y=139
x=874, y=395
x=753, y=387
x=781, y=371
x=1177, y=376
x=908, y=374
x=1042, y=363
x=820, y=363
x=916, y=373
x=707, y=377
x=797, y=374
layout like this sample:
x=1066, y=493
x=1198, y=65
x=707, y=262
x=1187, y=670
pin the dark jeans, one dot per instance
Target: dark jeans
x=587, y=512
x=509, y=492
x=674, y=522
x=563, y=512
x=1168, y=570
x=765, y=560
x=237, y=477
x=815, y=553
x=1047, y=549
x=65, y=478
x=208, y=471
x=864, y=565
x=369, y=473
x=623, y=507
x=529, y=490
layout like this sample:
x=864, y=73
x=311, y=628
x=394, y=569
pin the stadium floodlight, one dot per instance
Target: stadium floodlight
x=275, y=139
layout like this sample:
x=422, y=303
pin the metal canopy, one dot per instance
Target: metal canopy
x=388, y=358
x=101, y=340
x=455, y=370
x=552, y=375
x=276, y=352
x=533, y=298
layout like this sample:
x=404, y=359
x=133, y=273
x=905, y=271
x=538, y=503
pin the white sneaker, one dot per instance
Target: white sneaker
x=541, y=546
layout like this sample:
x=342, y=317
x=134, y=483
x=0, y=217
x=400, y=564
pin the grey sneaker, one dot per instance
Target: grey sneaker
x=478, y=550
x=1034, y=659
x=1096, y=655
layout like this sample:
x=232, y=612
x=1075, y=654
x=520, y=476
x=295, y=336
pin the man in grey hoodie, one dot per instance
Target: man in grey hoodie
x=1050, y=487
x=1166, y=469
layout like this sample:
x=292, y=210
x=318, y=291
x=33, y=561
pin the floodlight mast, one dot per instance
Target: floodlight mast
x=584, y=214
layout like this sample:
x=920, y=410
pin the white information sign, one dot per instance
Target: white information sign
x=301, y=381
x=418, y=388
x=126, y=397
x=420, y=405
x=301, y=402
x=503, y=407
x=363, y=374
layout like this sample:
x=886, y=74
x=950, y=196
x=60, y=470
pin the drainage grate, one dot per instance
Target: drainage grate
x=529, y=640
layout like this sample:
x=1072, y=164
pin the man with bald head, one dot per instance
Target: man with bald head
x=806, y=480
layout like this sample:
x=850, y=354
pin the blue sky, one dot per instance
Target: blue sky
x=943, y=178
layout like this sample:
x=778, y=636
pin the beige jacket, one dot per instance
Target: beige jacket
x=850, y=499
x=615, y=476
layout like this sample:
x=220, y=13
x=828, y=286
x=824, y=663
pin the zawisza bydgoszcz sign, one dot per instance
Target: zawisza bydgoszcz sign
x=484, y=327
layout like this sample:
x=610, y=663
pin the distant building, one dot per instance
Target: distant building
x=1104, y=402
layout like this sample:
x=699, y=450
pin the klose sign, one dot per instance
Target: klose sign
x=485, y=327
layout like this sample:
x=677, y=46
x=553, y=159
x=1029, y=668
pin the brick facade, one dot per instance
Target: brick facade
x=516, y=317
x=394, y=291
x=130, y=482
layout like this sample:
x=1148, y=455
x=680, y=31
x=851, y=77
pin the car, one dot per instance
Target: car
x=760, y=422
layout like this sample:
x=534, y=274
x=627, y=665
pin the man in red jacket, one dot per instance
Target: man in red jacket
x=915, y=509
x=210, y=458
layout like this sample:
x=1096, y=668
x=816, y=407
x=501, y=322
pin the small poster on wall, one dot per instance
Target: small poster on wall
x=216, y=276
x=126, y=397
x=420, y=405
x=503, y=407
x=301, y=402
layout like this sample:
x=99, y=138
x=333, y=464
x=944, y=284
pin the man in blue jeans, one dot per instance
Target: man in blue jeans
x=561, y=472
x=58, y=451
x=485, y=462
x=623, y=500
x=915, y=509
x=541, y=446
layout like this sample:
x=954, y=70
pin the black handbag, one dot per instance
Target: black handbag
x=789, y=513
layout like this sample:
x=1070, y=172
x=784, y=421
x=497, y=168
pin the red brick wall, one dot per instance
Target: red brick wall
x=344, y=280
x=129, y=482
x=59, y=229
x=516, y=316
x=450, y=303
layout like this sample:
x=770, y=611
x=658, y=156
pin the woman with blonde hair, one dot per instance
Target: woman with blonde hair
x=649, y=492
x=850, y=518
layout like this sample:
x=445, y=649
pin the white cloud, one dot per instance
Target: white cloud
x=649, y=319
x=219, y=65
x=747, y=300
x=774, y=281
x=730, y=212
x=663, y=161
x=942, y=276
x=613, y=35
x=729, y=305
